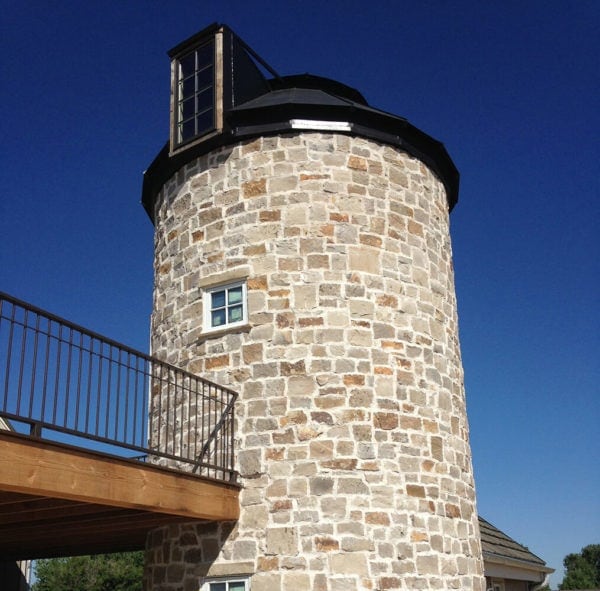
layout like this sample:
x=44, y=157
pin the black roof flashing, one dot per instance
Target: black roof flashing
x=308, y=98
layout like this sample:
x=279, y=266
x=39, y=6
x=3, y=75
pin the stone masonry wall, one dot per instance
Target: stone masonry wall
x=351, y=427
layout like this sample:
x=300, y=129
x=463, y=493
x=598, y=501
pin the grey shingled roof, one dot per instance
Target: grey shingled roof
x=496, y=543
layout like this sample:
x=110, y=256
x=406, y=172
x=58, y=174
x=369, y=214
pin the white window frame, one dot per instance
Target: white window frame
x=206, y=585
x=208, y=308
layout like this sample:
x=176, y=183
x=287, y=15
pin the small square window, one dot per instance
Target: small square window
x=225, y=306
x=232, y=584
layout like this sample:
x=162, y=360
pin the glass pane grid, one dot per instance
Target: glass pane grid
x=195, y=100
x=227, y=306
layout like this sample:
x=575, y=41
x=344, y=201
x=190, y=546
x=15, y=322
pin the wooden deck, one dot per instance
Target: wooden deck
x=59, y=501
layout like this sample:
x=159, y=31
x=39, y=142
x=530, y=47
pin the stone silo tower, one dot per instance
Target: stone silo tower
x=303, y=259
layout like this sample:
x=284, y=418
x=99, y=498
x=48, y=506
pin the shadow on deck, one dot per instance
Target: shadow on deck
x=100, y=443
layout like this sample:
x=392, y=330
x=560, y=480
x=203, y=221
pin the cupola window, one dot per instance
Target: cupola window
x=195, y=108
x=211, y=73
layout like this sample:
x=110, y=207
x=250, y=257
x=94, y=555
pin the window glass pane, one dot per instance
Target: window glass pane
x=218, y=317
x=204, y=101
x=187, y=130
x=237, y=586
x=187, y=65
x=234, y=295
x=187, y=109
x=205, y=55
x=188, y=86
x=218, y=587
x=218, y=299
x=235, y=314
x=204, y=122
x=205, y=78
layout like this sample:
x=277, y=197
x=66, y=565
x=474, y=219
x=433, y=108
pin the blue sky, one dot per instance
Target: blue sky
x=511, y=88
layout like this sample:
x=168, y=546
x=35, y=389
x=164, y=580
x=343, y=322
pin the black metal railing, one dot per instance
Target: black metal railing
x=61, y=382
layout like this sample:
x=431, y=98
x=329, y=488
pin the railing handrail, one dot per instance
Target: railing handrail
x=104, y=338
x=59, y=376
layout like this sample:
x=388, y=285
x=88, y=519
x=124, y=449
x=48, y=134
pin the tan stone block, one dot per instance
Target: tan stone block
x=318, y=261
x=398, y=345
x=286, y=437
x=427, y=465
x=388, y=301
x=281, y=505
x=306, y=433
x=252, y=353
x=417, y=536
x=386, y=420
x=415, y=490
x=352, y=415
x=298, y=581
x=357, y=544
x=357, y=163
x=310, y=321
x=267, y=563
x=281, y=540
x=254, y=188
x=452, y=511
x=326, y=544
x=254, y=517
x=353, y=486
x=290, y=369
x=377, y=518
x=267, y=581
x=354, y=380
x=437, y=448
x=257, y=282
x=427, y=565
x=294, y=417
x=301, y=385
x=321, y=449
x=362, y=308
x=305, y=297
x=273, y=215
x=339, y=217
x=254, y=250
x=370, y=240
x=389, y=583
x=277, y=488
x=216, y=362
x=349, y=563
x=313, y=177
x=364, y=259
x=415, y=228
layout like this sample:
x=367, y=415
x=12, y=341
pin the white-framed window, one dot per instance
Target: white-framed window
x=228, y=584
x=225, y=306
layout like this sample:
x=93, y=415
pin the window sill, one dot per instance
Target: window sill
x=215, y=334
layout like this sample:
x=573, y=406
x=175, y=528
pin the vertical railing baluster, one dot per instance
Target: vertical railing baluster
x=9, y=355
x=99, y=387
x=90, y=371
x=34, y=364
x=57, y=376
x=22, y=362
x=46, y=362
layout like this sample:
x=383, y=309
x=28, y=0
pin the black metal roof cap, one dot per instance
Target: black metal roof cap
x=310, y=98
x=318, y=83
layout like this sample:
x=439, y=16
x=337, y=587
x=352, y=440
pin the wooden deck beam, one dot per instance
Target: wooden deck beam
x=41, y=468
x=55, y=498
